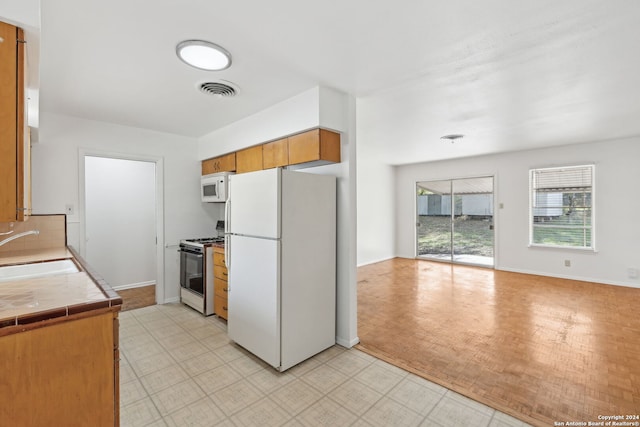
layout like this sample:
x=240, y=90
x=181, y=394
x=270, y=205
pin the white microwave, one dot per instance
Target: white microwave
x=214, y=187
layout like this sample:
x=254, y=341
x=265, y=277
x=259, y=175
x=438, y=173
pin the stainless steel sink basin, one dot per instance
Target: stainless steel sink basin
x=37, y=269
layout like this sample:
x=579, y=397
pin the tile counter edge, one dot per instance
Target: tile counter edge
x=112, y=302
x=112, y=296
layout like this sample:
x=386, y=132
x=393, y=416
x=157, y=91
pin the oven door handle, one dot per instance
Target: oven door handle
x=194, y=253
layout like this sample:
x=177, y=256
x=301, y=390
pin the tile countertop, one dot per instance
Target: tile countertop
x=28, y=301
x=34, y=255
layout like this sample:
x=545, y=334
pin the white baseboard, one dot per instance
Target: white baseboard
x=568, y=277
x=376, y=261
x=347, y=343
x=133, y=285
x=171, y=300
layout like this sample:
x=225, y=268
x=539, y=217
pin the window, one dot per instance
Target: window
x=561, y=213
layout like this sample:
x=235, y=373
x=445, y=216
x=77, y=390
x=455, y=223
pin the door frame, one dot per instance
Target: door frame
x=494, y=177
x=159, y=189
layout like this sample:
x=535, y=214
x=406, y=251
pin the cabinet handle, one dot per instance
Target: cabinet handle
x=224, y=308
x=224, y=273
x=225, y=289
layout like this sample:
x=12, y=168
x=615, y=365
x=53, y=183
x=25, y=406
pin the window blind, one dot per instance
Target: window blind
x=562, y=206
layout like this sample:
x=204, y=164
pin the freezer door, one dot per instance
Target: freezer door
x=254, y=296
x=254, y=203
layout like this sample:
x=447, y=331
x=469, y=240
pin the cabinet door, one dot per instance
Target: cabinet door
x=218, y=258
x=221, y=307
x=275, y=153
x=12, y=124
x=8, y=122
x=317, y=144
x=226, y=163
x=61, y=369
x=249, y=159
x=221, y=287
x=220, y=272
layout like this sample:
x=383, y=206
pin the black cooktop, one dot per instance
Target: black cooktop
x=206, y=240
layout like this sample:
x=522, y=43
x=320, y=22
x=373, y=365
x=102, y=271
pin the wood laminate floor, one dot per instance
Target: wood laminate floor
x=143, y=296
x=541, y=349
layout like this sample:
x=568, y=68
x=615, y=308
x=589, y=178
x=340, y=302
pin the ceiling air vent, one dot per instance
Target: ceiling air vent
x=218, y=89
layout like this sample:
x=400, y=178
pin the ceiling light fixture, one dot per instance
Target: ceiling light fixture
x=453, y=137
x=203, y=55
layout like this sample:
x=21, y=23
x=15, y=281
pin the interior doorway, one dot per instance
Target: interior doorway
x=121, y=220
x=454, y=220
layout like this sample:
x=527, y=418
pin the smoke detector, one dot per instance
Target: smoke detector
x=218, y=89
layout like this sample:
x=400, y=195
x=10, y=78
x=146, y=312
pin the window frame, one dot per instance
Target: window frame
x=532, y=206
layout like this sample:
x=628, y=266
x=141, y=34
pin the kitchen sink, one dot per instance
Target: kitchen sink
x=37, y=269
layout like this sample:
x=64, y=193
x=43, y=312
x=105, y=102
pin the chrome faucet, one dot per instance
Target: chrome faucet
x=17, y=236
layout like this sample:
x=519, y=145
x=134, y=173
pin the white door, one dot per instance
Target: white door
x=254, y=204
x=254, y=296
x=120, y=215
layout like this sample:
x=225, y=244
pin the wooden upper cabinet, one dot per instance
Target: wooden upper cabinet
x=275, y=154
x=249, y=159
x=314, y=145
x=14, y=141
x=226, y=163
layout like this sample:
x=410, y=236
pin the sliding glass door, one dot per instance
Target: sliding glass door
x=455, y=220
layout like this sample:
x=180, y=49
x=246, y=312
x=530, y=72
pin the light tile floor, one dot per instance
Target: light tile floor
x=179, y=368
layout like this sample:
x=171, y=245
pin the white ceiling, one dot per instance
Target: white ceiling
x=508, y=75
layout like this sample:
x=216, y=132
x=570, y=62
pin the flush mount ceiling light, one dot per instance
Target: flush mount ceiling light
x=453, y=137
x=203, y=55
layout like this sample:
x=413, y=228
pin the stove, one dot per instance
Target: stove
x=202, y=242
x=196, y=273
x=206, y=241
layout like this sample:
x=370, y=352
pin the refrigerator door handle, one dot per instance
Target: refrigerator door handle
x=227, y=207
x=227, y=252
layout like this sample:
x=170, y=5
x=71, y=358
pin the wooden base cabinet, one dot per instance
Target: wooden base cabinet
x=220, y=284
x=63, y=373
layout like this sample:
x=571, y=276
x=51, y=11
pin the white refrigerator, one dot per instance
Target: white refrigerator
x=281, y=256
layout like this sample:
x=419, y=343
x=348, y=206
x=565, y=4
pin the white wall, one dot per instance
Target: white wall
x=298, y=113
x=55, y=168
x=24, y=13
x=376, y=208
x=617, y=209
x=317, y=107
